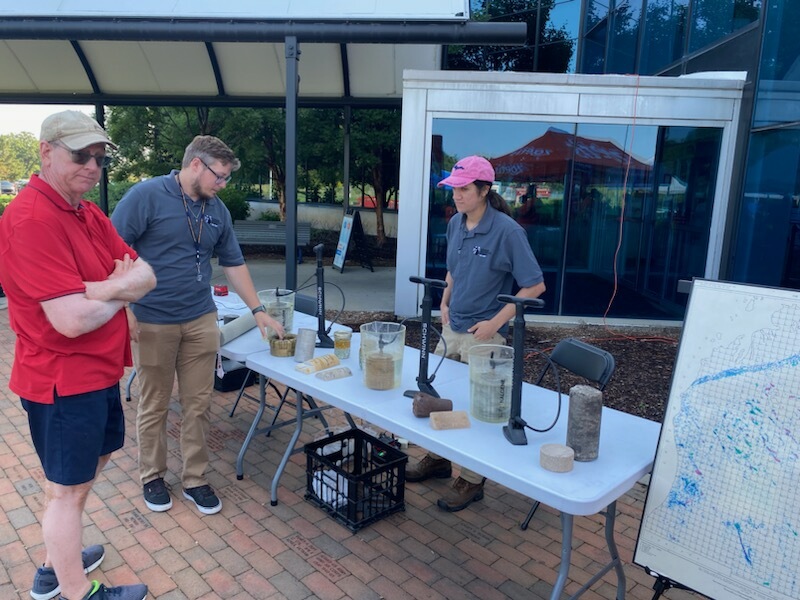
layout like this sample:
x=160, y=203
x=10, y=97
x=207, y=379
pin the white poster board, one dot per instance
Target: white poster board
x=344, y=242
x=722, y=514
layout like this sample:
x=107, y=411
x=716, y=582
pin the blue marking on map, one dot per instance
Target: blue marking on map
x=789, y=361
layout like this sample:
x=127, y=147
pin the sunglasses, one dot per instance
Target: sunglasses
x=220, y=178
x=81, y=157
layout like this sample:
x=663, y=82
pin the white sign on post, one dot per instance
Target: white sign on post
x=344, y=241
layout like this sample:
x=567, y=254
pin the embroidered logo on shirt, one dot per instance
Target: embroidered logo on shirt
x=482, y=252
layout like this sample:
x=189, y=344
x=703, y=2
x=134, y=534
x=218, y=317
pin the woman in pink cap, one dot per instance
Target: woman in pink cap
x=487, y=251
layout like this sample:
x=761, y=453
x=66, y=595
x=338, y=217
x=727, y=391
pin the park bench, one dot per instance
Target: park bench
x=271, y=233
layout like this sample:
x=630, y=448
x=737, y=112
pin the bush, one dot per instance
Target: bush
x=236, y=201
x=4, y=200
x=269, y=216
x=116, y=190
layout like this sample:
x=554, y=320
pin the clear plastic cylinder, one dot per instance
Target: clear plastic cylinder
x=280, y=306
x=381, y=354
x=491, y=374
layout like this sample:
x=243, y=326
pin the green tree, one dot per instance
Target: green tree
x=547, y=49
x=320, y=153
x=19, y=156
x=152, y=140
x=375, y=152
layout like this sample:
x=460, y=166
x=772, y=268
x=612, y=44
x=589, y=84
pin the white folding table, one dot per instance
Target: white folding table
x=626, y=453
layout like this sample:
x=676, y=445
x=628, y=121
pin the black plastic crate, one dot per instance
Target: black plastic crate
x=355, y=477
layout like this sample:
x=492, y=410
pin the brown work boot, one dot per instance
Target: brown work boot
x=461, y=495
x=429, y=467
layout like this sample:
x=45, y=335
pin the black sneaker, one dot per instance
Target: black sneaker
x=45, y=582
x=156, y=495
x=204, y=499
x=98, y=591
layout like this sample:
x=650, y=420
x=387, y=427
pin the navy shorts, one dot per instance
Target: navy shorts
x=72, y=434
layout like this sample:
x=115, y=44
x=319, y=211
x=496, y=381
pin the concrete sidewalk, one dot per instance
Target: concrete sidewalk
x=355, y=289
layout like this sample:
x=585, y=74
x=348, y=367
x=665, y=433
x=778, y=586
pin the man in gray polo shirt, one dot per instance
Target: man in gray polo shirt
x=486, y=252
x=177, y=223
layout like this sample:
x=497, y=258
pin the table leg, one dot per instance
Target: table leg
x=611, y=516
x=262, y=404
x=298, y=427
x=566, y=556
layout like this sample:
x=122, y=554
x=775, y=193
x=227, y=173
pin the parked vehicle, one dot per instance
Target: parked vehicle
x=6, y=187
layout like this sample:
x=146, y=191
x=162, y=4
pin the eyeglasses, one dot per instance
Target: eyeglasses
x=81, y=157
x=220, y=178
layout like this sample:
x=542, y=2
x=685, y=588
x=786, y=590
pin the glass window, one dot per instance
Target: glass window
x=624, y=39
x=615, y=214
x=768, y=237
x=530, y=172
x=593, y=57
x=596, y=12
x=676, y=243
x=714, y=19
x=664, y=34
x=778, y=96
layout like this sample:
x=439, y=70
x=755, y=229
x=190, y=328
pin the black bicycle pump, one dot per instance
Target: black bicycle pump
x=324, y=340
x=515, y=430
x=423, y=381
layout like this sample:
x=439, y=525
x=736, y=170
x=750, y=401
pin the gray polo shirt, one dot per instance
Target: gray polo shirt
x=485, y=262
x=151, y=218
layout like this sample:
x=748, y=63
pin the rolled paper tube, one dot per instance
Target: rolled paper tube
x=239, y=326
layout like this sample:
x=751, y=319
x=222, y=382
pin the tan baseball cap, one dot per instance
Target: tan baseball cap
x=74, y=129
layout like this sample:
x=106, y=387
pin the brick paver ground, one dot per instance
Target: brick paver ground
x=252, y=550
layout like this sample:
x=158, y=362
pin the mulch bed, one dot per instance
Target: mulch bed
x=644, y=358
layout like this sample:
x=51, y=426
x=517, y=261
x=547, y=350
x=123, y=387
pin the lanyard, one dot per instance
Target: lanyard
x=195, y=236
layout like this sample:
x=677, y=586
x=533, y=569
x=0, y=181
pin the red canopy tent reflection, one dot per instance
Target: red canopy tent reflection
x=548, y=157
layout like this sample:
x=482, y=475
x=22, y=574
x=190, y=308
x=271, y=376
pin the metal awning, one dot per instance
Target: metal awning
x=105, y=60
x=214, y=62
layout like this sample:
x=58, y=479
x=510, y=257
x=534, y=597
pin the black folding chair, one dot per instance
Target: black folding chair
x=590, y=362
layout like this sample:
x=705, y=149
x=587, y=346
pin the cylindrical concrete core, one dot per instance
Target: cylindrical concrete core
x=583, y=424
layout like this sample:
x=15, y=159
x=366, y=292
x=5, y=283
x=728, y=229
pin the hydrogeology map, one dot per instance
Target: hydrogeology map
x=722, y=514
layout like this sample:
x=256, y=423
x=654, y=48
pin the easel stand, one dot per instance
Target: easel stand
x=324, y=339
x=662, y=584
x=515, y=430
x=423, y=381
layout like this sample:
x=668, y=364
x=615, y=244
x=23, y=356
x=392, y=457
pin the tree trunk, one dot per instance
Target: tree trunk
x=279, y=183
x=380, y=203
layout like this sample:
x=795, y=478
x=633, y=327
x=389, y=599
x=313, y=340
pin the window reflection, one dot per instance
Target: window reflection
x=714, y=19
x=664, y=34
x=615, y=214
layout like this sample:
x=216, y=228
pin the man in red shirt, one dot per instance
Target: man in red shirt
x=67, y=276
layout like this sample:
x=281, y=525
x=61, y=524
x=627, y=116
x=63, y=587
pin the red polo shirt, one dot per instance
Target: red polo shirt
x=47, y=250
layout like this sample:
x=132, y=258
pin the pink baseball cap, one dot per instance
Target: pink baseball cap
x=467, y=170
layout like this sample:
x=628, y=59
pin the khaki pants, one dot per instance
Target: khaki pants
x=189, y=351
x=458, y=345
